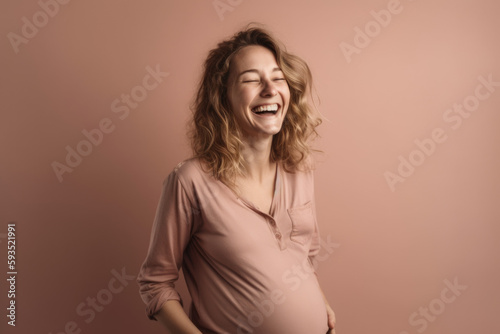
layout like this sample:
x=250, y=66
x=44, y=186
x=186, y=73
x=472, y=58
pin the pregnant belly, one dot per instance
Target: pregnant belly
x=298, y=309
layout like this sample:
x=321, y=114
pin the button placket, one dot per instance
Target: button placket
x=277, y=233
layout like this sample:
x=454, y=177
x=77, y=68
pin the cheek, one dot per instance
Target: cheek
x=286, y=97
x=245, y=99
x=286, y=93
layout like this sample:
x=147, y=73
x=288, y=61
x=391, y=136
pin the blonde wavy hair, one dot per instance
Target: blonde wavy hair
x=214, y=133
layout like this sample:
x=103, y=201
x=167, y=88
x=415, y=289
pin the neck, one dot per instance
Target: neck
x=257, y=159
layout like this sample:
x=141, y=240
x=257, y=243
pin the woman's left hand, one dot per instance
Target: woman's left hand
x=331, y=319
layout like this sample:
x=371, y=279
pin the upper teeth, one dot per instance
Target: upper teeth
x=270, y=107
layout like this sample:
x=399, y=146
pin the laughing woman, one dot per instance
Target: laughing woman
x=239, y=217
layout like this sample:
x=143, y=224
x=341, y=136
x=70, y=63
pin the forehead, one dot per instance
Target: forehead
x=253, y=57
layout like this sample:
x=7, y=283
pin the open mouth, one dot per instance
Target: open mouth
x=266, y=109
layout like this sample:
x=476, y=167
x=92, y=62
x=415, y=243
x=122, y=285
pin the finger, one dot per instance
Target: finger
x=331, y=321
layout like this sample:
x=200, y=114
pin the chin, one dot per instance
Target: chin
x=272, y=132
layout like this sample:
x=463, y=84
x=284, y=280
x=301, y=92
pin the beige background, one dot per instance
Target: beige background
x=392, y=250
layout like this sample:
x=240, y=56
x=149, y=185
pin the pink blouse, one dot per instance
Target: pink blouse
x=247, y=271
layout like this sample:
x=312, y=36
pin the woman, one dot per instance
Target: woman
x=239, y=217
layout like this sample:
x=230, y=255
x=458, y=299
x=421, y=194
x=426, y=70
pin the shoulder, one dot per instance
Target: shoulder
x=187, y=168
x=304, y=170
x=300, y=177
x=190, y=173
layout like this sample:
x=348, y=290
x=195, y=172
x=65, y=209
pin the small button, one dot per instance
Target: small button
x=278, y=235
x=272, y=222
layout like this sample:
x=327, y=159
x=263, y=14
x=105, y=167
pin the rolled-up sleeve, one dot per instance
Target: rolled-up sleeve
x=315, y=240
x=171, y=232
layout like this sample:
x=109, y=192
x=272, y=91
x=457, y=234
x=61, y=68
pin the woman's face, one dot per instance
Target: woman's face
x=258, y=92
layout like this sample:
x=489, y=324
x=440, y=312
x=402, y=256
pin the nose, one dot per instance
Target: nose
x=269, y=89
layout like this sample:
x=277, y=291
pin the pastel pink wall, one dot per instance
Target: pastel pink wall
x=394, y=240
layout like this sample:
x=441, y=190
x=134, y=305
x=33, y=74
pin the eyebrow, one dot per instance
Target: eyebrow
x=276, y=69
